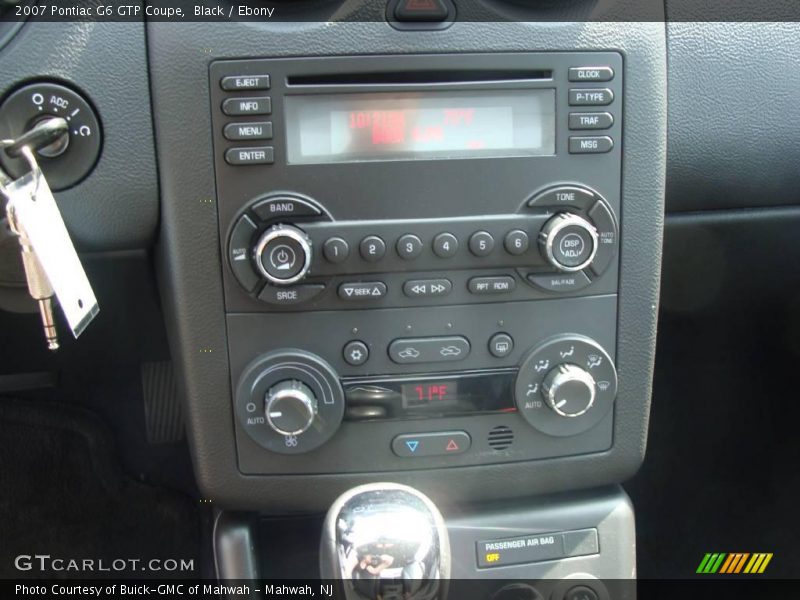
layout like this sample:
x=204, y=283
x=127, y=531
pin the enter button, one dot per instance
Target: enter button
x=438, y=443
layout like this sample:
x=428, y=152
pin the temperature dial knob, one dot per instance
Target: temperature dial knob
x=290, y=407
x=569, y=390
x=568, y=242
x=283, y=254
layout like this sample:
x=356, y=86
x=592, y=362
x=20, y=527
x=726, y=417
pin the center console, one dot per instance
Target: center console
x=420, y=257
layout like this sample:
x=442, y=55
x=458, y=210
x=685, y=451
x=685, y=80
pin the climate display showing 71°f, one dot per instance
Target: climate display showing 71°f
x=419, y=125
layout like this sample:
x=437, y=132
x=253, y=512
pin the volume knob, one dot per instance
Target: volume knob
x=569, y=390
x=568, y=242
x=283, y=254
x=290, y=407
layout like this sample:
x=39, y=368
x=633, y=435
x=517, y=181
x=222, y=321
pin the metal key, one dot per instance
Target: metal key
x=38, y=284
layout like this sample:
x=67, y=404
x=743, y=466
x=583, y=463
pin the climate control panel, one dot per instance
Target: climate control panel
x=502, y=382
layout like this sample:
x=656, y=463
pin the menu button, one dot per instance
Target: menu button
x=248, y=131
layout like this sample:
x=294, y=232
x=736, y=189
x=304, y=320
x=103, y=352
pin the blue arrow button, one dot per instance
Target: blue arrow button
x=412, y=445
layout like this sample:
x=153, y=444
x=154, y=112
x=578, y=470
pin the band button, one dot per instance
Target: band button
x=281, y=207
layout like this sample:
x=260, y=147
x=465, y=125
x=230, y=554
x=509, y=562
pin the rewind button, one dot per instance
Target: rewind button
x=427, y=288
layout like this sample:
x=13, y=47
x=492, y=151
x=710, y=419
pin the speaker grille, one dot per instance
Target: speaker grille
x=501, y=437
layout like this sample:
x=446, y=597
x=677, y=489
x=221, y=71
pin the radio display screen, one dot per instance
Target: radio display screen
x=358, y=127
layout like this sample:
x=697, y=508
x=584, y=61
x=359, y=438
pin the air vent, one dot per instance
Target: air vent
x=501, y=437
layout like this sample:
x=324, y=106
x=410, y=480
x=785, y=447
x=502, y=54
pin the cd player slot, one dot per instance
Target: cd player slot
x=422, y=77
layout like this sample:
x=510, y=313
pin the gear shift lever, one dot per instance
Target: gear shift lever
x=387, y=541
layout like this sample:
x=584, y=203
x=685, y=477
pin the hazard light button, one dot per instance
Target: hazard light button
x=421, y=10
x=436, y=443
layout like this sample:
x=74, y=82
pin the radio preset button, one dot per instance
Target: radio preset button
x=563, y=282
x=591, y=73
x=427, y=288
x=564, y=195
x=412, y=445
x=261, y=155
x=335, y=250
x=590, y=120
x=501, y=345
x=295, y=294
x=445, y=245
x=429, y=350
x=355, y=353
x=502, y=284
x=590, y=144
x=373, y=290
x=239, y=252
x=234, y=83
x=261, y=130
x=590, y=97
x=481, y=243
x=409, y=246
x=283, y=207
x=372, y=248
x=256, y=105
x=517, y=242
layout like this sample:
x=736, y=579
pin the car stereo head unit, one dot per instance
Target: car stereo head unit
x=419, y=250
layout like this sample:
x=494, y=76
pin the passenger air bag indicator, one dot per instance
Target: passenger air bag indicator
x=537, y=548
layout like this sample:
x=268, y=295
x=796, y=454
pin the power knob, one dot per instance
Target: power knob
x=568, y=242
x=290, y=407
x=569, y=390
x=283, y=254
